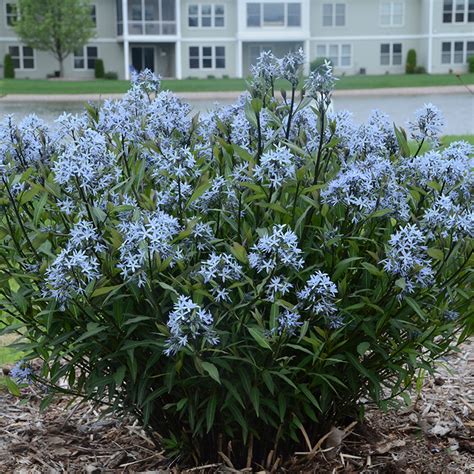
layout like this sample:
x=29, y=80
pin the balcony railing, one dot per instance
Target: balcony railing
x=148, y=27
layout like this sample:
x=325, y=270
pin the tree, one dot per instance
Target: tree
x=57, y=26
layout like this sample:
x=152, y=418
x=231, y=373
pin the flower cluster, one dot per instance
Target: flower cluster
x=428, y=124
x=407, y=258
x=276, y=167
x=187, y=323
x=21, y=372
x=364, y=187
x=76, y=266
x=220, y=269
x=87, y=164
x=318, y=297
x=149, y=237
x=320, y=83
x=279, y=248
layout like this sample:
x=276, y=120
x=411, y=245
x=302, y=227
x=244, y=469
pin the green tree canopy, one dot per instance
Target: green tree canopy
x=57, y=26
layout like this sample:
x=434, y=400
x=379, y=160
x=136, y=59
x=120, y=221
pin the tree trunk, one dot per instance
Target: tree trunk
x=61, y=67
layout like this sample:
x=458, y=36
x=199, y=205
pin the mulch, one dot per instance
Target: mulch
x=434, y=434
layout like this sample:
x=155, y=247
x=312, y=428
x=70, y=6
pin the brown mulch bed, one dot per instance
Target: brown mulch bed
x=435, y=434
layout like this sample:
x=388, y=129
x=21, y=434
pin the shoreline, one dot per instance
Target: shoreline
x=232, y=95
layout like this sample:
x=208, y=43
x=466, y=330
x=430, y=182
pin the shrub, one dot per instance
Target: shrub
x=410, y=67
x=470, y=61
x=99, y=69
x=239, y=279
x=112, y=76
x=318, y=62
x=420, y=70
x=8, y=67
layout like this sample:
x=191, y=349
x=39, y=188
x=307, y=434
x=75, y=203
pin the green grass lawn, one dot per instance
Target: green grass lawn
x=44, y=86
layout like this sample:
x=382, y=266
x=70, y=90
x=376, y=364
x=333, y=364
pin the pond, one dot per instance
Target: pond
x=458, y=109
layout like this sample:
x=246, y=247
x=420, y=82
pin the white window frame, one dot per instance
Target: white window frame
x=452, y=52
x=285, y=19
x=85, y=58
x=391, y=4
x=213, y=57
x=199, y=15
x=333, y=14
x=9, y=15
x=339, y=46
x=454, y=11
x=391, y=54
x=22, y=57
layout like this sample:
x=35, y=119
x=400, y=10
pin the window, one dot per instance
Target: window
x=448, y=11
x=456, y=52
x=274, y=14
x=206, y=16
x=334, y=14
x=340, y=55
x=391, y=54
x=11, y=13
x=294, y=14
x=392, y=13
x=458, y=11
x=23, y=57
x=207, y=57
x=446, y=53
x=84, y=58
x=94, y=14
x=151, y=17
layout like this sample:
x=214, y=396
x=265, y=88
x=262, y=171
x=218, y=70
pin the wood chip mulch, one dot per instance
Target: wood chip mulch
x=435, y=434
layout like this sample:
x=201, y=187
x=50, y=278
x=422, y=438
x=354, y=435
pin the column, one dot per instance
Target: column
x=126, y=42
x=178, y=58
x=239, y=59
x=307, y=53
x=430, y=39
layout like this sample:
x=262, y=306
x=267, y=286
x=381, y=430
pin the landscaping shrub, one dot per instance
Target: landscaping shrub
x=410, y=67
x=112, y=76
x=238, y=281
x=8, y=67
x=470, y=61
x=99, y=69
x=420, y=70
x=318, y=62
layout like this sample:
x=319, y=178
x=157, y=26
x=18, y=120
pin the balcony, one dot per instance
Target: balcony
x=148, y=17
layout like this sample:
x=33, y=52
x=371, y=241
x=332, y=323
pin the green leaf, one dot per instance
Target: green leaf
x=363, y=347
x=402, y=141
x=381, y=213
x=304, y=388
x=211, y=369
x=437, y=254
x=259, y=337
x=12, y=387
x=372, y=269
x=106, y=289
x=211, y=412
x=239, y=252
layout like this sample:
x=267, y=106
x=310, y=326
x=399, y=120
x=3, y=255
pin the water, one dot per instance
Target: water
x=458, y=109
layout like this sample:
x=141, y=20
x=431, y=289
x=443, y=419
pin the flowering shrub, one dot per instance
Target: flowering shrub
x=237, y=281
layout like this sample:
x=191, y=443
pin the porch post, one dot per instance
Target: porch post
x=126, y=42
x=178, y=45
x=239, y=57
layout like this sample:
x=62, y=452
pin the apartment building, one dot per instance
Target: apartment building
x=201, y=38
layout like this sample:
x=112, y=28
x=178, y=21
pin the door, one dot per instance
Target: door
x=143, y=57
